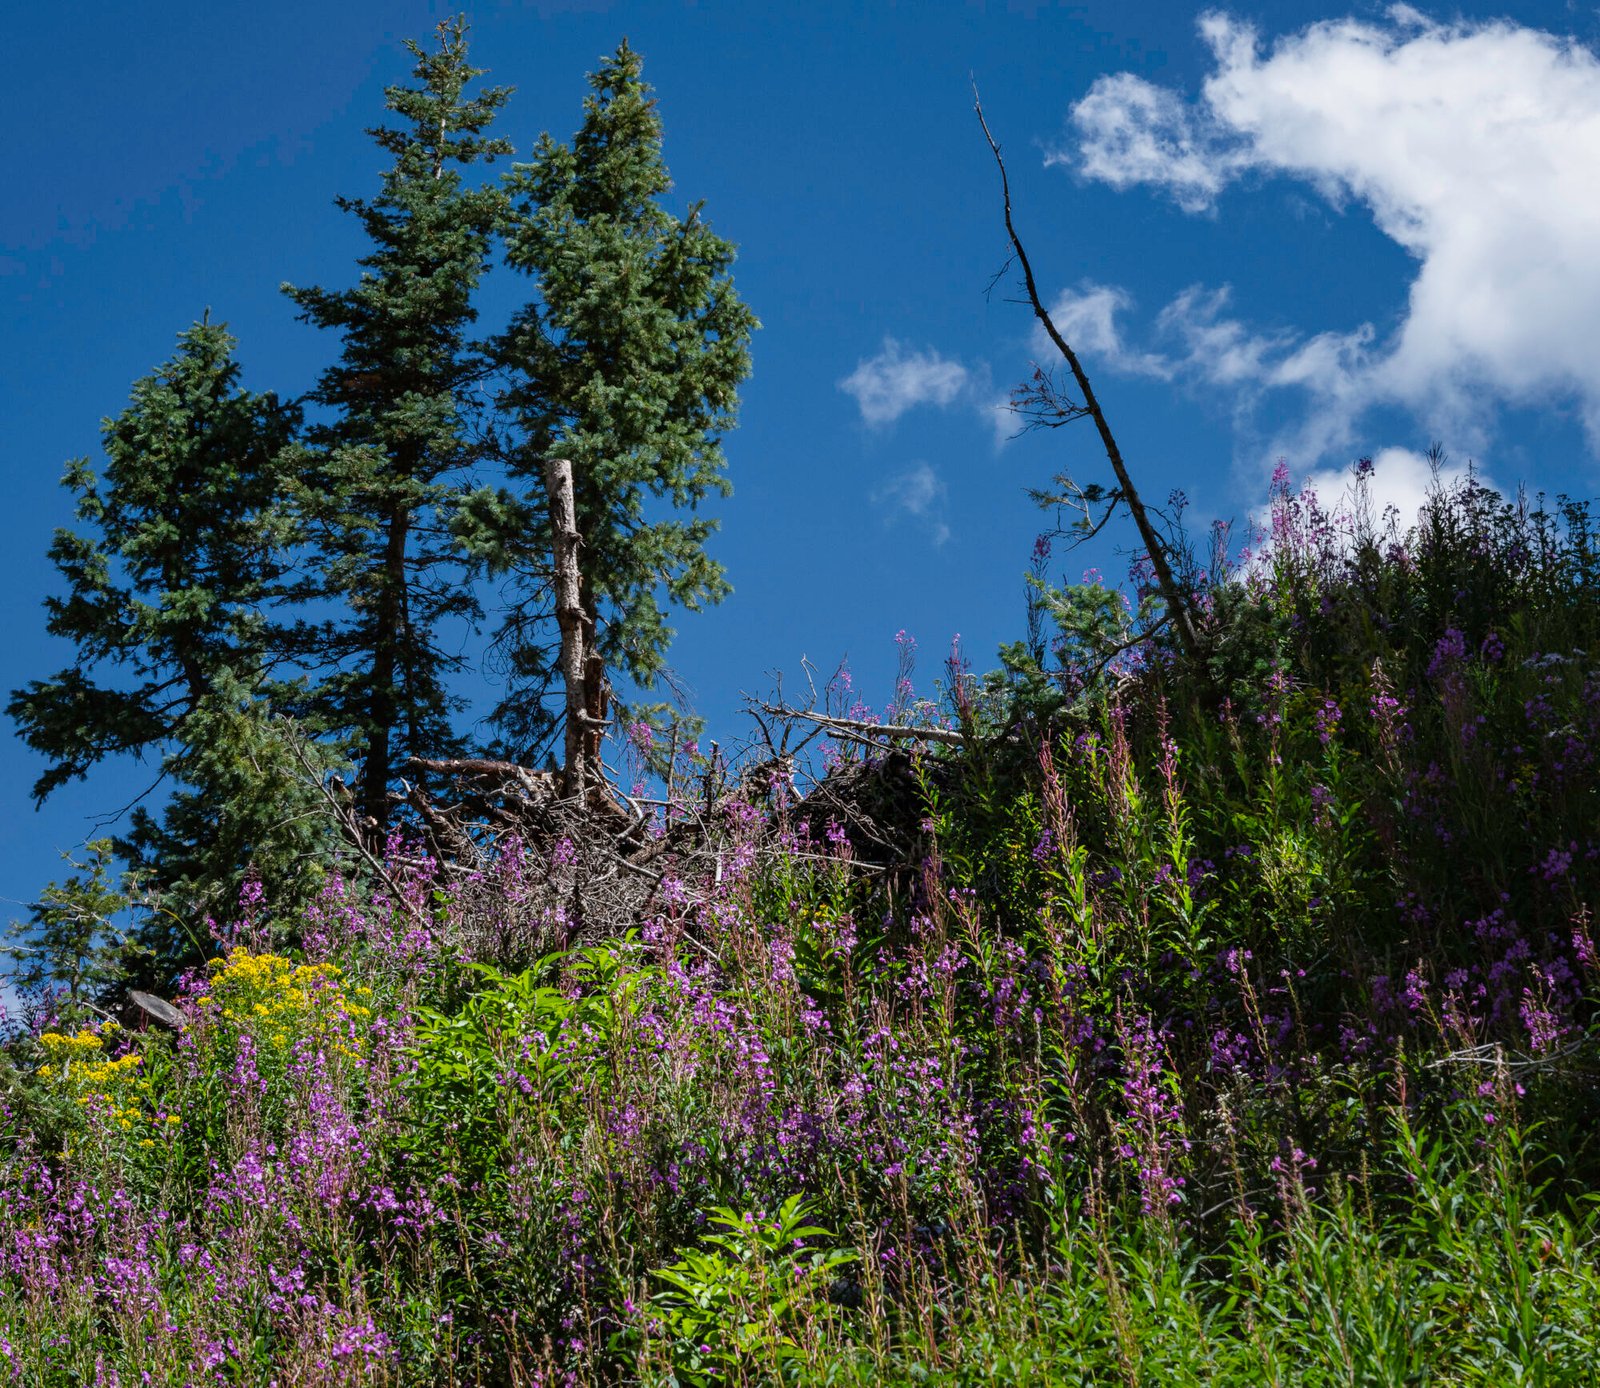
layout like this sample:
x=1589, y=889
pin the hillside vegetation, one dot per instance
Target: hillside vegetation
x=1229, y=1025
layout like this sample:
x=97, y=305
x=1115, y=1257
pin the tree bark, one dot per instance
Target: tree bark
x=377, y=764
x=575, y=657
x=596, y=689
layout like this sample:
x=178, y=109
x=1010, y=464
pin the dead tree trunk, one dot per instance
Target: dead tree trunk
x=596, y=689
x=1176, y=601
x=575, y=658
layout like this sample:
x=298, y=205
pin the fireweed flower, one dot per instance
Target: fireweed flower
x=1152, y=1131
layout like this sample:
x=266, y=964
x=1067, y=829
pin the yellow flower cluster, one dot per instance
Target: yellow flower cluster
x=114, y=1089
x=279, y=1001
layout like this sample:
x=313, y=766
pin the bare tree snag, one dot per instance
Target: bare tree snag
x=1177, y=603
x=596, y=705
x=575, y=658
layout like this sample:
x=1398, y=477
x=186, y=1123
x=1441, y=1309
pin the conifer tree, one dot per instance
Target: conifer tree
x=73, y=951
x=388, y=455
x=626, y=362
x=171, y=591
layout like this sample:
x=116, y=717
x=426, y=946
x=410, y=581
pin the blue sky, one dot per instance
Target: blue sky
x=1273, y=230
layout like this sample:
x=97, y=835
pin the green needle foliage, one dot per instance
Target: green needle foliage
x=627, y=362
x=260, y=590
x=388, y=456
x=185, y=553
x=73, y=948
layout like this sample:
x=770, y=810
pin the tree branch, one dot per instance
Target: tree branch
x=861, y=728
x=345, y=817
x=1177, y=605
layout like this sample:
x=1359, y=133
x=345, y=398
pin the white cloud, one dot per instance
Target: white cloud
x=997, y=412
x=1087, y=318
x=920, y=493
x=894, y=381
x=1195, y=340
x=1220, y=349
x=1136, y=132
x=1332, y=370
x=888, y=385
x=1471, y=145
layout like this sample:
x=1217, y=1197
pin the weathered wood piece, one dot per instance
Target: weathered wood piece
x=159, y=1009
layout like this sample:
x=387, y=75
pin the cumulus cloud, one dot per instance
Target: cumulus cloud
x=1471, y=145
x=1136, y=132
x=918, y=493
x=894, y=381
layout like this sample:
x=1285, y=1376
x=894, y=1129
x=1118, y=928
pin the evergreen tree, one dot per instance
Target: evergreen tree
x=73, y=951
x=170, y=592
x=388, y=459
x=626, y=362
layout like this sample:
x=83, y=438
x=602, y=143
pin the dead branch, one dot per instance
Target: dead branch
x=538, y=786
x=1494, y=1056
x=863, y=730
x=1155, y=546
x=345, y=816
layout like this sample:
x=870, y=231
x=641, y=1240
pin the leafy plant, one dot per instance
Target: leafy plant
x=733, y=1307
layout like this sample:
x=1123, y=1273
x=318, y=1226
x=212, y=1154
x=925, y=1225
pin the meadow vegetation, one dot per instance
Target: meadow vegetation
x=1228, y=1025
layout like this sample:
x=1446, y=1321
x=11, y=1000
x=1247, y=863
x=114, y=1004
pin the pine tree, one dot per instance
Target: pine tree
x=171, y=591
x=627, y=363
x=388, y=458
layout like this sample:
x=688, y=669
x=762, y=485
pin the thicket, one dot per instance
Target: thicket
x=1204, y=995
x=1225, y=1025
